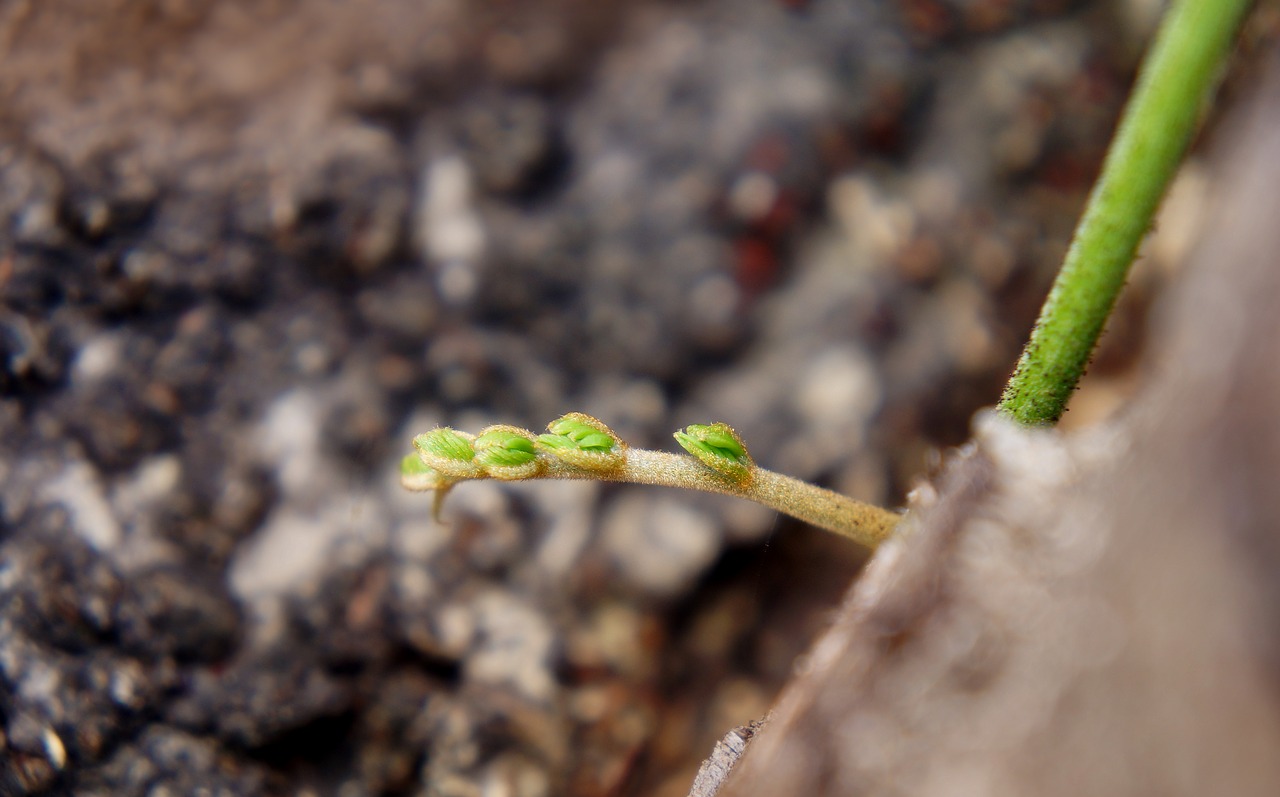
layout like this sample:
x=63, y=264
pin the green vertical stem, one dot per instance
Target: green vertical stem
x=1176, y=80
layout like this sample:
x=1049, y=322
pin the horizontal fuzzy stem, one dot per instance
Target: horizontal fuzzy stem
x=578, y=446
x=865, y=524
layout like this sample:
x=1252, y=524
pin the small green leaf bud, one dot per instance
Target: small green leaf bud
x=718, y=447
x=507, y=452
x=418, y=475
x=584, y=442
x=450, y=452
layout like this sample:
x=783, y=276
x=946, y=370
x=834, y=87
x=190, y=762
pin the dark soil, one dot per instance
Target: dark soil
x=248, y=249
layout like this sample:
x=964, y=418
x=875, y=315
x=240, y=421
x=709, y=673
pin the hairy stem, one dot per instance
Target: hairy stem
x=578, y=446
x=1176, y=79
x=863, y=523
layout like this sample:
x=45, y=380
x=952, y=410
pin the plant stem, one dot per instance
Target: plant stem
x=578, y=446
x=1176, y=80
x=865, y=524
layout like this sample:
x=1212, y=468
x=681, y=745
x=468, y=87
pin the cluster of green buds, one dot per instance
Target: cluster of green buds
x=447, y=456
x=578, y=446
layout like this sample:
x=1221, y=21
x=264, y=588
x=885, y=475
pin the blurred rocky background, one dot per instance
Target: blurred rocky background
x=248, y=249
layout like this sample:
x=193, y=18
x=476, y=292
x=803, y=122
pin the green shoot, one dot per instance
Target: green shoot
x=578, y=446
x=1176, y=80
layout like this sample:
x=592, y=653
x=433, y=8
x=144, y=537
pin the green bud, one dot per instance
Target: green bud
x=418, y=475
x=583, y=432
x=507, y=452
x=446, y=443
x=584, y=442
x=412, y=465
x=500, y=447
x=448, y=451
x=718, y=447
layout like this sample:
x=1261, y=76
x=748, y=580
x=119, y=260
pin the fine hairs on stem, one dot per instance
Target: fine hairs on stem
x=578, y=446
x=1177, y=78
